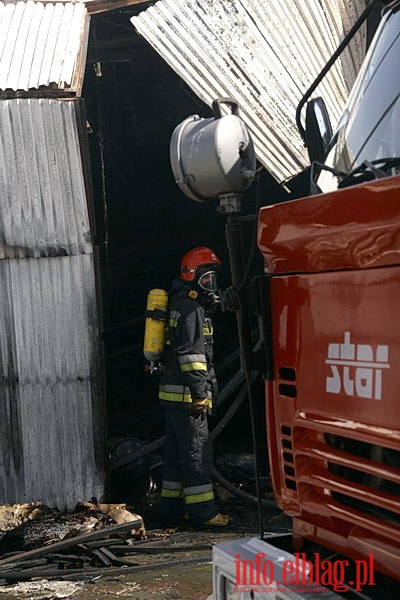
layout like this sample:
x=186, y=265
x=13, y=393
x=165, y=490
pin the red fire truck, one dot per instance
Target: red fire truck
x=327, y=302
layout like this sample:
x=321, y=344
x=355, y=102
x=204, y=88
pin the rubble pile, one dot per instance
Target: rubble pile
x=36, y=541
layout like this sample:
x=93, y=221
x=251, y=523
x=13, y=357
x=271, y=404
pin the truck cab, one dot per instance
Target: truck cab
x=369, y=129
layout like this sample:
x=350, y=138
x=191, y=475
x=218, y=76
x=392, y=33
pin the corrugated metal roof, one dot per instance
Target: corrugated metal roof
x=42, y=44
x=42, y=193
x=262, y=53
x=50, y=397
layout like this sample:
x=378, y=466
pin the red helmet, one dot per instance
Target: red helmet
x=196, y=258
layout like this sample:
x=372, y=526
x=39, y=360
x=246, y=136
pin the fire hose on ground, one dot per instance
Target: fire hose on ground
x=237, y=381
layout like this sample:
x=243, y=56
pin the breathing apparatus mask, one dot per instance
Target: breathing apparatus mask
x=207, y=283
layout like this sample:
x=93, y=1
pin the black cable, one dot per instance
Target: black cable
x=234, y=241
x=254, y=436
x=216, y=476
x=229, y=413
x=254, y=241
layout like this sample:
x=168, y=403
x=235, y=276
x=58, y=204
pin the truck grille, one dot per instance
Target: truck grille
x=357, y=480
x=288, y=458
x=287, y=388
x=385, y=457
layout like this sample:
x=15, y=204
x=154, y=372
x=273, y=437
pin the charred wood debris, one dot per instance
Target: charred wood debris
x=95, y=540
x=99, y=540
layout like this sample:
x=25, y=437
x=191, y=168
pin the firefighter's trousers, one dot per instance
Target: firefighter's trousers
x=188, y=458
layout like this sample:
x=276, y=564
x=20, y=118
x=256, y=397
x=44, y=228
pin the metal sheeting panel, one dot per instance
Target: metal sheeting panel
x=42, y=193
x=49, y=381
x=262, y=53
x=50, y=396
x=41, y=44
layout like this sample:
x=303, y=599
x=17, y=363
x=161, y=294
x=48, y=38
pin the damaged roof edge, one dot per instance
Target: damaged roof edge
x=264, y=55
x=99, y=6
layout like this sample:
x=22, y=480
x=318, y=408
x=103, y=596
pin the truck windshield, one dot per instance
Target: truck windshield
x=370, y=126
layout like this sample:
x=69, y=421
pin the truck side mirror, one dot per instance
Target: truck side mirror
x=318, y=130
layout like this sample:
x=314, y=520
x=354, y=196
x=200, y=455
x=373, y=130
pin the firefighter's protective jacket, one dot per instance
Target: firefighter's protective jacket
x=189, y=373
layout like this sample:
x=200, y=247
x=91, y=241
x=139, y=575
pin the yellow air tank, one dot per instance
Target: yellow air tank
x=154, y=333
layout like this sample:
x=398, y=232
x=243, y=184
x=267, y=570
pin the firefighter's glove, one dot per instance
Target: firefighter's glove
x=199, y=407
x=229, y=299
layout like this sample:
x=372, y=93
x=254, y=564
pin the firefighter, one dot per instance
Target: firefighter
x=187, y=388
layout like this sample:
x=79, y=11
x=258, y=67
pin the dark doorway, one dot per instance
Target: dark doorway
x=144, y=223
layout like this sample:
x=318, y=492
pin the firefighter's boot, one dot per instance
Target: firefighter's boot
x=218, y=522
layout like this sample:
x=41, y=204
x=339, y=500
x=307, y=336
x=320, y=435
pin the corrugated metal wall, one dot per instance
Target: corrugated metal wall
x=262, y=53
x=50, y=392
x=42, y=196
x=42, y=44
